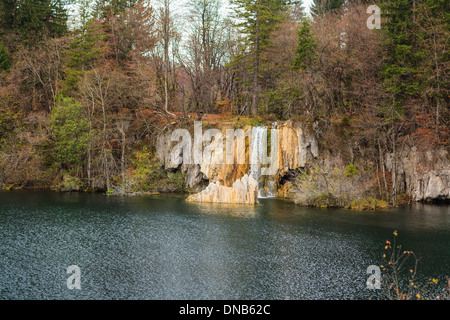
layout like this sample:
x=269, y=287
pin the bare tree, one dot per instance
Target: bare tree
x=204, y=54
x=167, y=32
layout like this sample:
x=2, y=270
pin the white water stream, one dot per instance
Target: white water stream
x=259, y=160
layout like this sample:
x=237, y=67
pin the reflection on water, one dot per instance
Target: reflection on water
x=164, y=248
x=231, y=210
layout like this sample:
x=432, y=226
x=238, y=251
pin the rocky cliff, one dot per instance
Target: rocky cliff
x=287, y=148
x=425, y=175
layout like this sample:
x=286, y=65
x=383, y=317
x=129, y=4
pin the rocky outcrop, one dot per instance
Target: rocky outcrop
x=425, y=175
x=296, y=146
x=234, y=183
x=243, y=191
x=194, y=176
x=163, y=148
x=433, y=186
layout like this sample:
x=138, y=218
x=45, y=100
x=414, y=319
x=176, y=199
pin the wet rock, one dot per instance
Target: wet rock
x=243, y=191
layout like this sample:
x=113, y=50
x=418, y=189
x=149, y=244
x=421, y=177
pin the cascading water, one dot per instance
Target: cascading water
x=258, y=159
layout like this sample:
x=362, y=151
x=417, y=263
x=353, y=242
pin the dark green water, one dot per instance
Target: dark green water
x=165, y=248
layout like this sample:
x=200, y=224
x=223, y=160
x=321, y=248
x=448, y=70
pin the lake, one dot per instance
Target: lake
x=160, y=247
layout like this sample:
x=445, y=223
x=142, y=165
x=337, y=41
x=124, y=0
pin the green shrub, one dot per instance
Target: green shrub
x=351, y=170
x=147, y=174
x=69, y=183
x=327, y=186
x=71, y=131
x=5, y=60
x=368, y=204
x=325, y=200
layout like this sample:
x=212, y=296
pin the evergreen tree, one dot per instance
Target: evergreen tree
x=85, y=47
x=257, y=19
x=71, y=131
x=7, y=14
x=104, y=8
x=319, y=7
x=432, y=21
x=36, y=19
x=5, y=62
x=402, y=56
x=402, y=80
x=305, y=52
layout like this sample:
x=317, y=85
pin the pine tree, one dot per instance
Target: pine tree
x=36, y=19
x=104, y=8
x=5, y=62
x=305, y=52
x=85, y=47
x=257, y=19
x=7, y=14
x=432, y=19
x=402, y=56
x=319, y=7
x=402, y=80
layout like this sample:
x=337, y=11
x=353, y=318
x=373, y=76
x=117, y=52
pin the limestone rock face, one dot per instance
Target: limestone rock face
x=433, y=186
x=295, y=146
x=163, y=150
x=215, y=168
x=194, y=176
x=243, y=191
x=423, y=174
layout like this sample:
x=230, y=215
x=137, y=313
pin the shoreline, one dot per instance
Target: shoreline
x=186, y=194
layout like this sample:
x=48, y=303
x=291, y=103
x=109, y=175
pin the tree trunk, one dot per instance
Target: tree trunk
x=105, y=158
x=255, y=97
x=89, y=165
x=122, y=160
x=438, y=99
x=383, y=170
x=166, y=53
x=378, y=181
x=394, y=167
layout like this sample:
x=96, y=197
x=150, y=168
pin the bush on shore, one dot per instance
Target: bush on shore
x=325, y=186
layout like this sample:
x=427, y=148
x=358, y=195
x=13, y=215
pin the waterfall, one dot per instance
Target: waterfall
x=258, y=159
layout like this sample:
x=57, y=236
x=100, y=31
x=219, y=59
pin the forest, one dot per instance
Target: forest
x=85, y=86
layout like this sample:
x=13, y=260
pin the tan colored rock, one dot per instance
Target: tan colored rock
x=224, y=173
x=243, y=191
x=295, y=145
x=289, y=146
